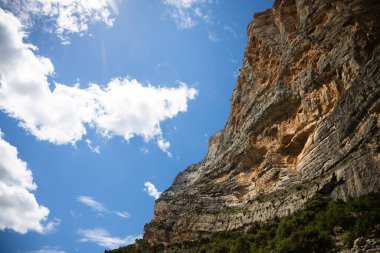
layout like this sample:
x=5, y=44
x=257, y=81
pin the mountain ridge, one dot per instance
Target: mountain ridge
x=304, y=120
x=306, y=103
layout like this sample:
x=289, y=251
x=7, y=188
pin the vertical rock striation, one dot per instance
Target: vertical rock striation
x=305, y=118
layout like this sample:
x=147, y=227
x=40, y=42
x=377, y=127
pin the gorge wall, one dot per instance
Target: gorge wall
x=305, y=118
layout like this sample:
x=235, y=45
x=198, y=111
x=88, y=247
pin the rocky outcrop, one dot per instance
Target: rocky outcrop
x=305, y=118
x=363, y=245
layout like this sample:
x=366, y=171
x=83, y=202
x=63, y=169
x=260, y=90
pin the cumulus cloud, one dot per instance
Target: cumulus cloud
x=61, y=114
x=151, y=190
x=187, y=13
x=102, y=237
x=64, y=17
x=19, y=208
x=100, y=208
x=127, y=108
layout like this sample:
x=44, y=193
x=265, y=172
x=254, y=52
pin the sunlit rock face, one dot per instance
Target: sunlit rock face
x=304, y=119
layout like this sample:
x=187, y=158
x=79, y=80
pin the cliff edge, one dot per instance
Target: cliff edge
x=305, y=119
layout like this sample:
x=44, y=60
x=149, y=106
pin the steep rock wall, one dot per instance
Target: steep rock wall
x=305, y=118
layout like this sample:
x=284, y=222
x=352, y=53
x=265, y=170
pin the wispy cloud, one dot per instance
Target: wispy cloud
x=61, y=115
x=102, y=237
x=94, y=149
x=164, y=146
x=47, y=249
x=151, y=190
x=64, y=17
x=187, y=13
x=231, y=30
x=51, y=226
x=95, y=205
x=74, y=214
x=144, y=150
x=123, y=214
x=99, y=207
x=16, y=190
x=213, y=37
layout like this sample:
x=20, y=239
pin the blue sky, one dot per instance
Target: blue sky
x=102, y=104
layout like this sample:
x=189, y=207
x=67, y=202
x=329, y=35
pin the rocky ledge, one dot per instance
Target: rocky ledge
x=305, y=119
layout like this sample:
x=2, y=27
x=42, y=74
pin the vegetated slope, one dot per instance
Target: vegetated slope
x=304, y=120
x=322, y=226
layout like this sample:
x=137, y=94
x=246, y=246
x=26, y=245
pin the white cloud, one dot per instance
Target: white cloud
x=51, y=226
x=102, y=238
x=182, y=4
x=187, y=13
x=100, y=208
x=124, y=214
x=62, y=114
x=64, y=17
x=94, y=149
x=164, y=146
x=151, y=190
x=47, y=249
x=19, y=208
x=127, y=108
x=91, y=202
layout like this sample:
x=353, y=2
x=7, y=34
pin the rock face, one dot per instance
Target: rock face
x=305, y=118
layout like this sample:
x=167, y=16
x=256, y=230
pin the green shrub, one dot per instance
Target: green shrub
x=308, y=230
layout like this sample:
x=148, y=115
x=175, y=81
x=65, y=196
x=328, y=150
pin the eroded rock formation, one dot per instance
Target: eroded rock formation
x=305, y=118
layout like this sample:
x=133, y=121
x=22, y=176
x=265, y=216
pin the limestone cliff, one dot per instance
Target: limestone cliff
x=305, y=118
